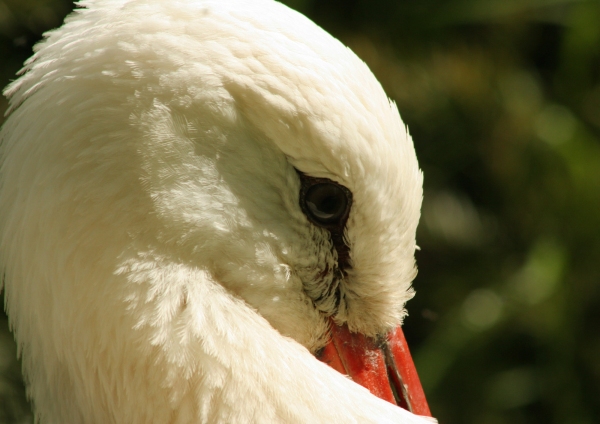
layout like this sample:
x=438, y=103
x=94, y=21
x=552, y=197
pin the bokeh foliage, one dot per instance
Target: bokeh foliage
x=502, y=98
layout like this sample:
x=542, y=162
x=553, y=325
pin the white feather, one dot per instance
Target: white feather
x=156, y=259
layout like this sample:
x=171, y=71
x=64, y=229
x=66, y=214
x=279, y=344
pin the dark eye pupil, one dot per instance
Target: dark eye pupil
x=328, y=205
x=326, y=202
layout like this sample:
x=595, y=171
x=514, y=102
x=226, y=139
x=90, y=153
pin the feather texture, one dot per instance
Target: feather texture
x=157, y=263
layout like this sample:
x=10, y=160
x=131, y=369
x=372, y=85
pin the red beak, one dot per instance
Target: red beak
x=384, y=367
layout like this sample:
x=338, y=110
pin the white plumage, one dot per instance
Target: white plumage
x=158, y=265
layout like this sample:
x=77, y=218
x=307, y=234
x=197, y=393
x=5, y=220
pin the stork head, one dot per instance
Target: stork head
x=235, y=137
x=239, y=119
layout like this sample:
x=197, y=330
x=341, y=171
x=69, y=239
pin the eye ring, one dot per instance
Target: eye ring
x=324, y=202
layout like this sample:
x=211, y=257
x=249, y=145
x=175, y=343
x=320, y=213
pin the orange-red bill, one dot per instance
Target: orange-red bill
x=384, y=367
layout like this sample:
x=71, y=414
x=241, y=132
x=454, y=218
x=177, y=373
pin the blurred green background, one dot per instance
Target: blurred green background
x=502, y=98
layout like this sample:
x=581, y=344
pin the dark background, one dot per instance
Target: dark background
x=502, y=98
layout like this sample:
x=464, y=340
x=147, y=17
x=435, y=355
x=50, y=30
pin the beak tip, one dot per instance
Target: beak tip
x=386, y=369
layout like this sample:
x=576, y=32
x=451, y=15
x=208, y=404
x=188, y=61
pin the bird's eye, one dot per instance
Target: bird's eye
x=327, y=204
x=324, y=202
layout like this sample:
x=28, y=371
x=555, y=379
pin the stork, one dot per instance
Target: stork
x=197, y=197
